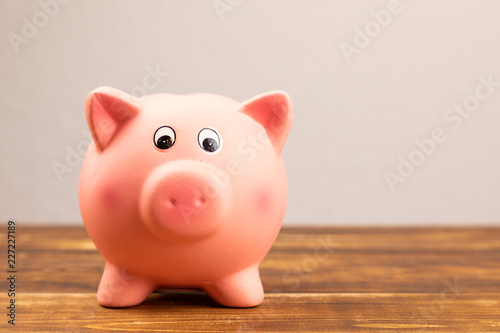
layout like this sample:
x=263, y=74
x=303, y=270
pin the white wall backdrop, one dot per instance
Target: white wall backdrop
x=397, y=103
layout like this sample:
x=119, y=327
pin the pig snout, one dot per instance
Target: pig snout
x=184, y=193
x=186, y=199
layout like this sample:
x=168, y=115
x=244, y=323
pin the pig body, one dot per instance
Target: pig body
x=184, y=191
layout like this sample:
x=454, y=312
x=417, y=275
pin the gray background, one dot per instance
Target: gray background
x=355, y=115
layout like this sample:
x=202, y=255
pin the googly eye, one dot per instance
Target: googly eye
x=209, y=140
x=164, y=137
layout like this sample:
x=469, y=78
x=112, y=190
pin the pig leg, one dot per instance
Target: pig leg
x=121, y=289
x=241, y=290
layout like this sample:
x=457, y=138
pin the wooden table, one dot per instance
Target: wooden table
x=315, y=279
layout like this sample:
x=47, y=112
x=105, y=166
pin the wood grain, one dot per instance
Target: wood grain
x=316, y=280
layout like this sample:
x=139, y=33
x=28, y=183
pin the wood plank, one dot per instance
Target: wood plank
x=301, y=260
x=343, y=239
x=281, y=312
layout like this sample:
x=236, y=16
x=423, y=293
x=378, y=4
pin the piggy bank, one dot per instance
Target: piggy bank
x=184, y=191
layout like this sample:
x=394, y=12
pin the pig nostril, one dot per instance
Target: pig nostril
x=171, y=203
x=200, y=201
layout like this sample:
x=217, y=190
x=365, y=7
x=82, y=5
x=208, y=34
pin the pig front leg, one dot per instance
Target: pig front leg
x=121, y=289
x=242, y=289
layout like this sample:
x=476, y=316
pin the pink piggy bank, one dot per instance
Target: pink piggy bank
x=184, y=191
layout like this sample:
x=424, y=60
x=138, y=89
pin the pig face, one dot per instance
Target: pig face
x=187, y=154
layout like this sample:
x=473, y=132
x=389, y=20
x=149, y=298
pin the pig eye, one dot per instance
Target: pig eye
x=209, y=140
x=164, y=137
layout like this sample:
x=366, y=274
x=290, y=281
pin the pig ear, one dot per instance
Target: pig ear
x=273, y=110
x=107, y=109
